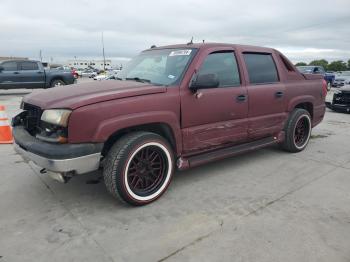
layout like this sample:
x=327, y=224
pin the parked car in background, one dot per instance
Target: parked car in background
x=329, y=77
x=66, y=68
x=342, y=78
x=101, y=76
x=106, y=75
x=339, y=82
x=31, y=74
x=173, y=107
x=87, y=73
x=341, y=100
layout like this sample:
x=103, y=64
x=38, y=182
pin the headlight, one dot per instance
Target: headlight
x=56, y=116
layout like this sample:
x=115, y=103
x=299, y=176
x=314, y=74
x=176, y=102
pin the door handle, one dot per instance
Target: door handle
x=241, y=98
x=39, y=72
x=279, y=94
x=16, y=73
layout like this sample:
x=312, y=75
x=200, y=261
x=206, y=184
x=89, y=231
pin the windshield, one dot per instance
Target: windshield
x=159, y=67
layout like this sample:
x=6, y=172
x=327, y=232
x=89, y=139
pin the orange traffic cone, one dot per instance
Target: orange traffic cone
x=5, y=129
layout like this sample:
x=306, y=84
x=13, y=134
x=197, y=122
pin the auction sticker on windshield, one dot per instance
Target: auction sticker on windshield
x=180, y=52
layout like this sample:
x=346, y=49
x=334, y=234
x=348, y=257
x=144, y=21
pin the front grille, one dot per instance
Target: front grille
x=32, y=119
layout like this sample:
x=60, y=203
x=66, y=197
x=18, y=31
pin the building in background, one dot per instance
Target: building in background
x=3, y=58
x=85, y=63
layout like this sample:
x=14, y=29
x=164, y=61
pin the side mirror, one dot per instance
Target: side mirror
x=1, y=68
x=204, y=81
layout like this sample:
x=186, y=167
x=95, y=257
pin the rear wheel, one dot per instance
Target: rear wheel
x=57, y=82
x=297, y=131
x=139, y=168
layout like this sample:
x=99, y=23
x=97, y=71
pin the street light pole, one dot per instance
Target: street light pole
x=103, y=53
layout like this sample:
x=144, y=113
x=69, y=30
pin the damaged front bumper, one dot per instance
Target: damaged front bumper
x=60, y=161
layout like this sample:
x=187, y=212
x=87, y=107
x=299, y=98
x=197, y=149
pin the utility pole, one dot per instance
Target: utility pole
x=41, y=56
x=103, y=53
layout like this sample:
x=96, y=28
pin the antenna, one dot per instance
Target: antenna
x=191, y=42
x=103, y=53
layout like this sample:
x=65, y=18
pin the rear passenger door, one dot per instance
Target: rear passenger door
x=31, y=76
x=266, y=95
x=215, y=117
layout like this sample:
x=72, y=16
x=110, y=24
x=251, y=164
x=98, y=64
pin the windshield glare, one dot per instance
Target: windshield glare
x=159, y=67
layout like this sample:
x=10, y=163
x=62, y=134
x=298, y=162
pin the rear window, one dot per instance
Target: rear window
x=261, y=68
x=29, y=66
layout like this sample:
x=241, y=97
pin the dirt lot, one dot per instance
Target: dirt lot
x=264, y=206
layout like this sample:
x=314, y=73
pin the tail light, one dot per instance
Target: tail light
x=73, y=73
x=324, y=88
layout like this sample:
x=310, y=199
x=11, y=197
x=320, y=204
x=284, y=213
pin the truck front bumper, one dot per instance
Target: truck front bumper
x=344, y=108
x=58, y=158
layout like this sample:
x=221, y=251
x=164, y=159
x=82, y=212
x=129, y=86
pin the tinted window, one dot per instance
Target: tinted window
x=29, y=66
x=9, y=66
x=261, y=68
x=224, y=65
x=318, y=70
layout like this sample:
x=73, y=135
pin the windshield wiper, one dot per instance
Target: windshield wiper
x=137, y=79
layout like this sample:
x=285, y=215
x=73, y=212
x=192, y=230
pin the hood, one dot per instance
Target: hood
x=74, y=96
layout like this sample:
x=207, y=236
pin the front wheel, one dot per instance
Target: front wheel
x=297, y=131
x=139, y=167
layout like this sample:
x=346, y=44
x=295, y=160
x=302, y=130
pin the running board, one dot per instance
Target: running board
x=184, y=163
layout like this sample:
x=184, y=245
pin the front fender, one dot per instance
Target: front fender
x=109, y=126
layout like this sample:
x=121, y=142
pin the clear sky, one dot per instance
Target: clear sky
x=303, y=30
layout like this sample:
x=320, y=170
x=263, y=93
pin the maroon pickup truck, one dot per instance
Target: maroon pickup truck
x=172, y=107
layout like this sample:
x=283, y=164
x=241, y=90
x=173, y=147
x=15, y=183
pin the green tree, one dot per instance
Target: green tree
x=302, y=64
x=337, y=66
x=321, y=62
x=349, y=64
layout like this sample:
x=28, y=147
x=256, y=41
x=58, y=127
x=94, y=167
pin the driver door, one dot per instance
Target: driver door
x=215, y=117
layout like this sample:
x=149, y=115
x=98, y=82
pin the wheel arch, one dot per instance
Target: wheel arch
x=308, y=106
x=55, y=78
x=160, y=128
x=304, y=102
